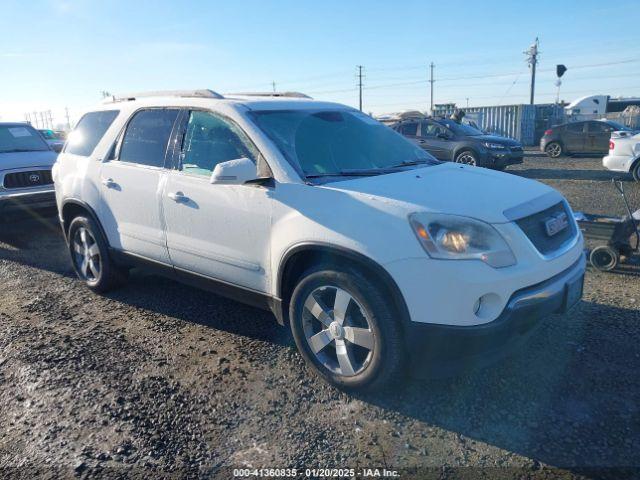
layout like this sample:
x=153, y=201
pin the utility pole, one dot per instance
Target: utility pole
x=467, y=102
x=431, y=80
x=66, y=113
x=532, y=60
x=360, y=67
x=273, y=84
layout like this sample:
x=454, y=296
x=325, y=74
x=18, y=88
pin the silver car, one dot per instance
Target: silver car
x=25, y=170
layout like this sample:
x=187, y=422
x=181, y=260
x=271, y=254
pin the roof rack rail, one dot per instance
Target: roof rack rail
x=202, y=93
x=272, y=94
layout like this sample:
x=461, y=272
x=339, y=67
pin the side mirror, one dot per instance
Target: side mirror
x=57, y=147
x=442, y=136
x=234, y=172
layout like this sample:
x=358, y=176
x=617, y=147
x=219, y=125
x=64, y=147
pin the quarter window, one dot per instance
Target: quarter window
x=210, y=140
x=147, y=135
x=89, y=131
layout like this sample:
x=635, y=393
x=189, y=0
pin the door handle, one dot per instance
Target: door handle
x=422, y=141
x=178, y=197
x=108, y=182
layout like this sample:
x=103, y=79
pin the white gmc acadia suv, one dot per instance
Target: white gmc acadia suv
x=379, y=257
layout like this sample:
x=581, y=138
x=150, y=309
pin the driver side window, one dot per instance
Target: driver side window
x=431, y=129
x=210, y=140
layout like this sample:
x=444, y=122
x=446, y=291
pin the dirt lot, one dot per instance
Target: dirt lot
x=161, y=379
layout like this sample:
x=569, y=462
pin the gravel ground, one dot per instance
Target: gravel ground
x=159, y=379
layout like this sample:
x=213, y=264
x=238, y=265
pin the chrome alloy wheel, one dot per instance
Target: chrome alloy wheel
x=554, y=150
x=338, y=331
x=86, y=255
x=466, y=158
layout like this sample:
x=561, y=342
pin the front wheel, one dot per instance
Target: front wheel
x=553, y=150
x=90, y=256
x=346, y=329
x=467, y=157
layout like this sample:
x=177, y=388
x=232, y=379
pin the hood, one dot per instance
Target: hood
x=10, y=161
x=497, y=139
x=450, y=188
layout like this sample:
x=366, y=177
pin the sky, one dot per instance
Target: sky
x=61, y=54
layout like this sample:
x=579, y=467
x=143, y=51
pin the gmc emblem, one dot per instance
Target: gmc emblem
x=556, y=223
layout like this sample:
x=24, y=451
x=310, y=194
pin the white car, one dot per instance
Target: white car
x=26, y=184
x=624, y=154
x=380, y=258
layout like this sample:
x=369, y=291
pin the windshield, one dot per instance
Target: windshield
x=20, y=138
x=338, y=142
x=460, y=129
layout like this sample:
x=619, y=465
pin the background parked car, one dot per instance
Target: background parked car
x=53, y=138
x=624, y=154
x=25, y=170
x=590, y=136
x=450, y=141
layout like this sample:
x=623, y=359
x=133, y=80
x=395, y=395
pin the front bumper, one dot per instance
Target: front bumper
x=26, y=202
x=442, y=350
x=503, y=158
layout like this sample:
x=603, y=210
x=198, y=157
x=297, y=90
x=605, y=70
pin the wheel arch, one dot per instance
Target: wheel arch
x=300, y=257
x=71, y=208
x=467, y=148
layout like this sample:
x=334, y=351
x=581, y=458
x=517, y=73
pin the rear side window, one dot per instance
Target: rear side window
x=89, y=131
x=147, y=135
x=575, y=127
x=410, y=128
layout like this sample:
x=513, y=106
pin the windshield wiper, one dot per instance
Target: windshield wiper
x=18, y=150
x=348, y=173
x=410, y=163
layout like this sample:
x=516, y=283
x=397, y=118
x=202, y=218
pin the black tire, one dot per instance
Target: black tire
x=554, y=149
x=107, y=275
x=635, y=171
x=384, y=362
x=467, y=157
x=604, y=258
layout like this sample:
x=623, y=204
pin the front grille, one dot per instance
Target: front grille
x=34, y=178
x=534, y=228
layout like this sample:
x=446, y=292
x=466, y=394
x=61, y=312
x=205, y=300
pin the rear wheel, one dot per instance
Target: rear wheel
x=90, y=256
x=346, y=329
x=635, y=171
x=553, y=149
x=604, y=258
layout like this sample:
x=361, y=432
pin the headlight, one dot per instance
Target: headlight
x=451, y=237
x=494, y=146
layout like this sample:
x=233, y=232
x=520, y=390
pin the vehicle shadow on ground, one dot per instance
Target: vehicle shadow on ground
x=562, y=174
x=564, y=400
x=189, y=304
x=35, y=242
